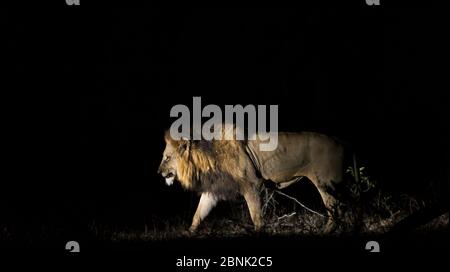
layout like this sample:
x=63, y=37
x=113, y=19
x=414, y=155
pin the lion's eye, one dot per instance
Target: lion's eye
x=167, y=158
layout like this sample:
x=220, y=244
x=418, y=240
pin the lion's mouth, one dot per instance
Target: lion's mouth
x=169, y=179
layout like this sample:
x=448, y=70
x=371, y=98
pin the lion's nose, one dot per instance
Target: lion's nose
x=162, y=172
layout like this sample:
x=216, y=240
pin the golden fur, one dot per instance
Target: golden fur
x=220, y=169
x=214, y=166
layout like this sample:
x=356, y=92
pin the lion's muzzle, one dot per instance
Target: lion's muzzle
x=169, y=179
x=169, y=176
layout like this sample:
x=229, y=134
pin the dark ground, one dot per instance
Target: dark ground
x=89, y=100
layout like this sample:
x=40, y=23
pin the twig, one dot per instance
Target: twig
x=286, y=215
x=267, y=201
x=301, y=204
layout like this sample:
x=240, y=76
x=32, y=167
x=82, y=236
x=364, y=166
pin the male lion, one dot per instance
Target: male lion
x=219, y=169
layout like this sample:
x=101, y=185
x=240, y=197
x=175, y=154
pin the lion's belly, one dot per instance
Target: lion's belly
x=288, y=161
x=283, y=169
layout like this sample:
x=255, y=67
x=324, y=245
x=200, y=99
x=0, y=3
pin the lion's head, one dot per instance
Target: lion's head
x=171, y=157
x=199, y=165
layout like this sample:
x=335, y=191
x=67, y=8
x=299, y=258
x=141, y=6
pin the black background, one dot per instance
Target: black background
x=91, y=92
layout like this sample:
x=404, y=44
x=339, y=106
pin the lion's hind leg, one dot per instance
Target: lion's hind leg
x=330, y=204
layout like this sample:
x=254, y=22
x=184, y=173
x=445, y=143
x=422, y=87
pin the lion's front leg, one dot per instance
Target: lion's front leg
x=207, y=202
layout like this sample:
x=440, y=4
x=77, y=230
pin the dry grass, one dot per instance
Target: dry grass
x=368, y=211
x=378, y=218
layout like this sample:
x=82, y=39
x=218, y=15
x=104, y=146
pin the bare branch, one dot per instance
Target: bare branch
x=301, y=204
x=287, y=215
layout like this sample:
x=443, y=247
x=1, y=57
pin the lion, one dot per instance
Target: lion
x=222, y=169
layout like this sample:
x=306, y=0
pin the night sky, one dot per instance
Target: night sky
x=91, y=92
